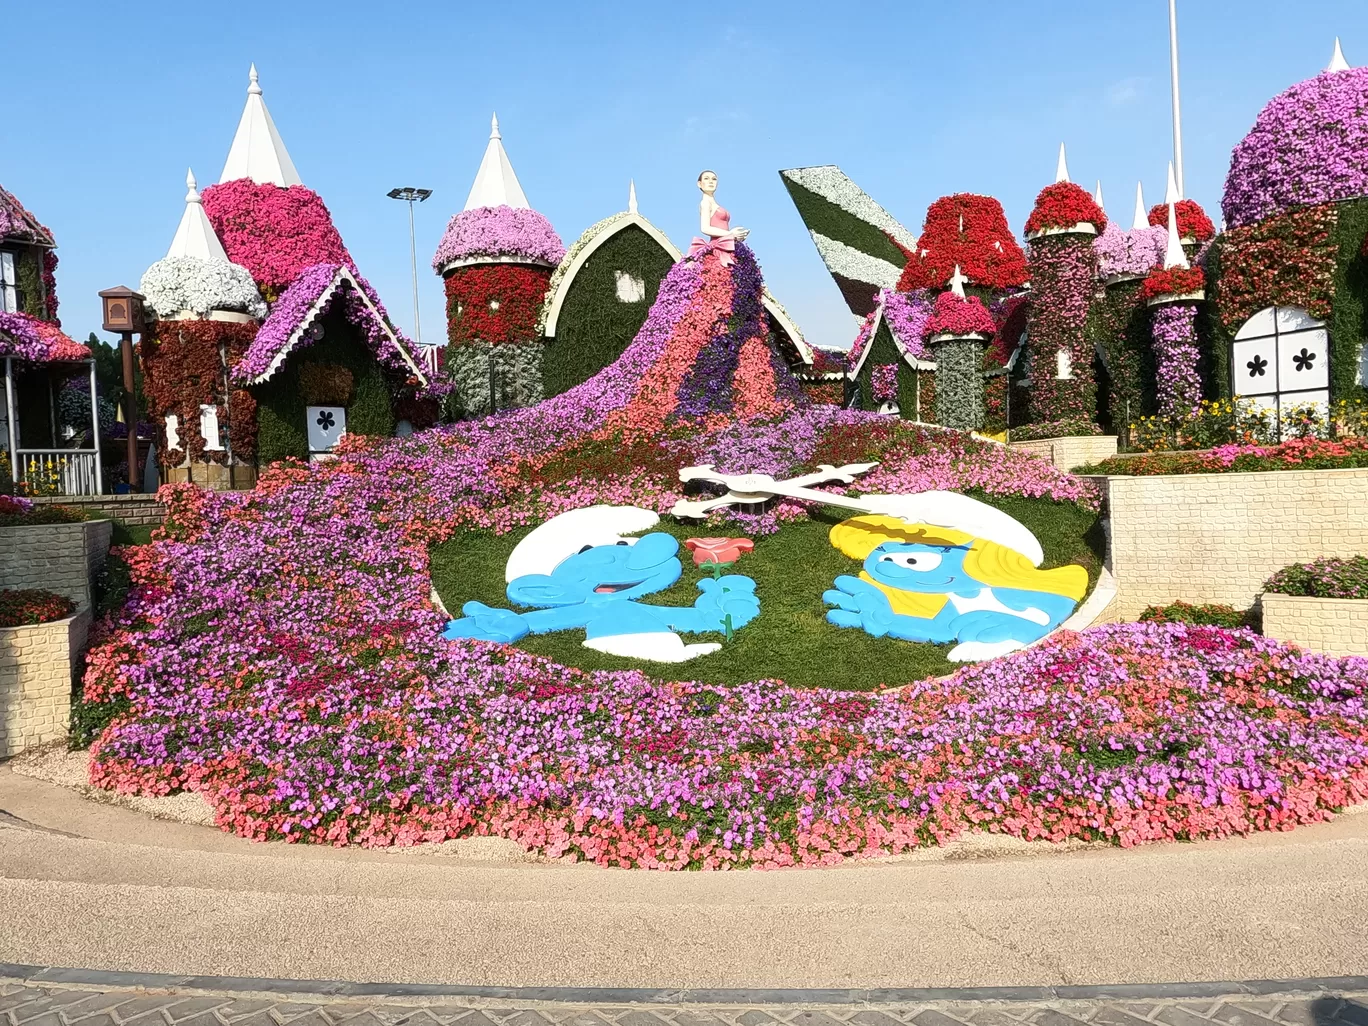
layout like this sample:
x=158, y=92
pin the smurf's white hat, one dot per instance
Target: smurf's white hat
x=564, y=535
x=960, y=513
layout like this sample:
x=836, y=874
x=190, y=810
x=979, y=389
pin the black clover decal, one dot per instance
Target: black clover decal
x=1257, y=366
x=1303, y=360
x=325, y=420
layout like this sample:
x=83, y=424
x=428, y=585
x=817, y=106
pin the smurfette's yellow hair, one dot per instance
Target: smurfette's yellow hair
x=991, y=564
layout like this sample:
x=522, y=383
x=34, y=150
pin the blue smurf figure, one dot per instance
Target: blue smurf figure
x=577, y=570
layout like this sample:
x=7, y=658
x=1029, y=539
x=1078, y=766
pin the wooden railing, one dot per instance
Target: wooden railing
x=59, y=471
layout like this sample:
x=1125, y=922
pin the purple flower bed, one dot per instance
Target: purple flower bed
x=1174, y=328
x=499, y=232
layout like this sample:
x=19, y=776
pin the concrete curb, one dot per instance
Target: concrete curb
x=339, y=989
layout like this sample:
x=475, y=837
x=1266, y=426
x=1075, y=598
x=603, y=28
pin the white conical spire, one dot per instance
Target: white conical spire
x=1174, y=255
x=258, y=152
x=1141, y=213
x=957, y=281
x=1062, y=171
x=631, y=196
x=1337, y=61
x=195, y=237
x=1171, y=194
x=495, y=183
x=1097, y=196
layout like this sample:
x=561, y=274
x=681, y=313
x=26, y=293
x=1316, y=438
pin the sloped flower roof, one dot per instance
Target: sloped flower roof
x=27, y=338
x=17, y=223
x=1308, y=145
x=501, y=233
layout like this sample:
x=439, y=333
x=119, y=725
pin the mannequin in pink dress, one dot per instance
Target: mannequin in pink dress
x=715, y=224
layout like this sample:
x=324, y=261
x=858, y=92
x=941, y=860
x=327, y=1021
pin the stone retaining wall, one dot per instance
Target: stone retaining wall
x=61, y=558
x=132, y=510
x=1067, y=453
x=1336, y=626
x=1218, y=537
x=38, y=667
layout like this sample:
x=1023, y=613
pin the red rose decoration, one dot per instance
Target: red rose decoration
x=718, y=550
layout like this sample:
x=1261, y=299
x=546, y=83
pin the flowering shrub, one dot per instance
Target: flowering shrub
x=174, y=284
x=1308, y=145
x=1295, y=454
x=496, y=232
x=274, y=232
x=494, y=303
x=1064, y=205
x=23, y=606
x=1193, y=222
x=959, y=315
x=1214, y=615
x=970, y=232
x=885, y=382
x=1056, y=429
x=1211, y=423
x=1323, y=578
x=15, y=510
x=27, y=338
x=1134, y=252
x=1176, y=355
x=1288, y=259
x=1172, y=281
x=906, y=315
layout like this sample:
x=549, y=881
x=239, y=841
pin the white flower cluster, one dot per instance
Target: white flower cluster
x=174, y=284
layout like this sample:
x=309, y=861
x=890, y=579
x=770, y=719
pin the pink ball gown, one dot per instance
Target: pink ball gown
x=724, y=248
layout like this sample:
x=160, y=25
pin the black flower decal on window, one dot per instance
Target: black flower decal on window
x=326, y=420
x=1257, y=367
x=1303, y=360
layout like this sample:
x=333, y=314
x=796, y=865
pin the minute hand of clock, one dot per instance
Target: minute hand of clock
x=754, y=488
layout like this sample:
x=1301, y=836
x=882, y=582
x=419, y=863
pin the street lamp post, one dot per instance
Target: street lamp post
x=411, y=196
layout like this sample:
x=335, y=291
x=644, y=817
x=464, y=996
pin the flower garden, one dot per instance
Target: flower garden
x=291, y=652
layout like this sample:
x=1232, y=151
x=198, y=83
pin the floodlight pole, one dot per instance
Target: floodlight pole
x=411, y=196
x=1177, y=101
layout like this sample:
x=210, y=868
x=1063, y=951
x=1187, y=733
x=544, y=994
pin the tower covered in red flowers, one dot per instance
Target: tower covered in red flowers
x=496, y=257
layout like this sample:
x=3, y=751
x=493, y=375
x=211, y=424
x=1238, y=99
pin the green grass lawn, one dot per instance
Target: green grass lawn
x=791, y=639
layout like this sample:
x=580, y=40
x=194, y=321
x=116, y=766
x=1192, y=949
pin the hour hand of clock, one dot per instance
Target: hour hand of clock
x=751, y=489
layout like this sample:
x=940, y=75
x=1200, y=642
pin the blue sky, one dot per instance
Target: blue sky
x=912, y=100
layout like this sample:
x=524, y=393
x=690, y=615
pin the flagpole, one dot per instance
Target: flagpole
x=1177, y=101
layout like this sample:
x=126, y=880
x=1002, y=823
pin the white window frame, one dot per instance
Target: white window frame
x=9, y=281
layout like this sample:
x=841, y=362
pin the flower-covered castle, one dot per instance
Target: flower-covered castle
x=1093, y=326
x=264, y=341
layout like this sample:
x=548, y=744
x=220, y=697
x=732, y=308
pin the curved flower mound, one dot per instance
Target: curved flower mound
x=960, y=315
x=1130, y=253
x=1063, y=206
x=1308, y=145
x=969, y=232
x=1193, y=222
x=499, y=233
x=274, y=232
x=174, y=284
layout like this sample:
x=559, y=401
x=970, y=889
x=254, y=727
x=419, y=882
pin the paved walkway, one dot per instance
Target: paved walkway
x=101, y=887
x=31, y=996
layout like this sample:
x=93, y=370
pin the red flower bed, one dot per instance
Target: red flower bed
x=495, y=303
x=1064, y=205
x=970, y=232
x=20, y=607
x=1176, y=281
x=1193, y=222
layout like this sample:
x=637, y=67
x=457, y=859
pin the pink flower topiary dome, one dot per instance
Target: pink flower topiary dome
x=1308, y=145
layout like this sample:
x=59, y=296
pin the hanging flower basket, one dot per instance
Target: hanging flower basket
x=1176, y=297
x=1174, y=285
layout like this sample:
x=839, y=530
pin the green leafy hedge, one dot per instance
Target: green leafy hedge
x=595, y=326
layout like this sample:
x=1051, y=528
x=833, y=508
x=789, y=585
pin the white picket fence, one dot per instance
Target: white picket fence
x=68, y=471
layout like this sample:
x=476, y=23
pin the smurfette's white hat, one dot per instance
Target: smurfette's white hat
x=564, y=535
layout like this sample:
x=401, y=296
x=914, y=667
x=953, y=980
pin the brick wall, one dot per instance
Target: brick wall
x=62, y=558
x=134, y=510
x=38, y=666
x=1067, y=453
x=1218, y=537
x=1336, y=626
